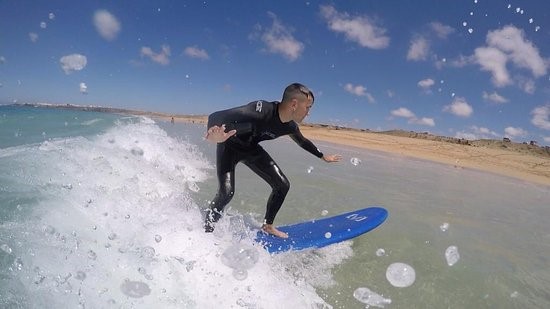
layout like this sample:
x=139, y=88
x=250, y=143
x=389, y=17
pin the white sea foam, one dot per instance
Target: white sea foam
x=91, y=122
x=112, y=227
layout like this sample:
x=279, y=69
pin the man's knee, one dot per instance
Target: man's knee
x=282, y=186
x=224, y=196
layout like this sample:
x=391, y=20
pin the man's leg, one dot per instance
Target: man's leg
x=263, y=165
x=226, y=160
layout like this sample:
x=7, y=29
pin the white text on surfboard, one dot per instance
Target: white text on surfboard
x=355, y=217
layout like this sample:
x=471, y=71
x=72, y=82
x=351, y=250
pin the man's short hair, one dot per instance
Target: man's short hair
x=297, y=90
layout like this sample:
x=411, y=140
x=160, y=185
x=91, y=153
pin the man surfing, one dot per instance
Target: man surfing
x=238, y=132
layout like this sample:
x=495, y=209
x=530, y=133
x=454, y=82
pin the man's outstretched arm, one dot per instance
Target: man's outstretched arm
x=310, y=147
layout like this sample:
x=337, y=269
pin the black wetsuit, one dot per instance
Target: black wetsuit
x=255, y=122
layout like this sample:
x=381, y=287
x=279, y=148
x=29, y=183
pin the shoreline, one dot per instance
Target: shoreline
x=516, y=160
x=523, y=161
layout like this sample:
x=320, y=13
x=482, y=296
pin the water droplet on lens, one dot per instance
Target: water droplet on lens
x=92, y=255
x=48, y=229
x=240, y=274
x=38, y=279
x=137, y=151
x=328, y=235
x=148, y=252
x=240, y=257
x=370, y=298
x=444, y=227
x=158, y=238
x=18, y=263
x=6, y=248
x=355, y=161
x=400, y=275
x=451, y=255
x=135, y=289
x=193, y=187
x=80, y=275
x=380, y=252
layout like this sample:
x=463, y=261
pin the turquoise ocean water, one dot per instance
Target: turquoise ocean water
x=101, y=210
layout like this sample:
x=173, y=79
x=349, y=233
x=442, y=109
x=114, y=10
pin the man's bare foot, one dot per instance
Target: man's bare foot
x=270, y=229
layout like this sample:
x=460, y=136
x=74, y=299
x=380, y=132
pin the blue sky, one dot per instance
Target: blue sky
x=462, y=68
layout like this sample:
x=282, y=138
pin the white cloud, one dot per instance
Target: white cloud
x=196, y=52
x=162, y=58
x=461, y=61
x=476, y=132
x=527, y=85
x=73, y=62
x=509, y=45
x=419, y=49
x=494, y=97
x=546, y=139
x=423, y=121
x=520, y=50
x=541, y=117
x=360, y=29
x=442, y=31
x=33, y=37
x=278, y=39
x=426, y=83
x=83, y=88
x=106, y=24
x=356, y=90
x=466, y=135
x=406, y=113
x=459, y=107
x=403, y=112
x=493, y=60
x=371, y=98
x=359, y=91
x=515, y=132
x=484, y=131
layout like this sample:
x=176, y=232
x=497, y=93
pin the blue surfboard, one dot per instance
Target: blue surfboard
x=325, y=231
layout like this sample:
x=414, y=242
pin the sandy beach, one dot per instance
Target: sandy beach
x=513, y=159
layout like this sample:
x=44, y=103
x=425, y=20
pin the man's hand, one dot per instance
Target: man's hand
x=332, y=158
x=218, y=135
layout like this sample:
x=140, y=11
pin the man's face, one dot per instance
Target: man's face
x=302, y=109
